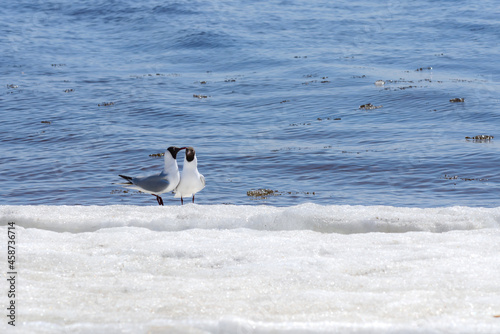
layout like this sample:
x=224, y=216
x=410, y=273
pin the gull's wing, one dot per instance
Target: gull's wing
x=155, y=184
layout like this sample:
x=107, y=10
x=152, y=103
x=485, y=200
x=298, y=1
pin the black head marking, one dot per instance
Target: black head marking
x=173, y=151
x=190, y=154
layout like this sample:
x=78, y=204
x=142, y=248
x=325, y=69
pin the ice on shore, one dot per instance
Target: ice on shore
x=238, y=269
x=327, y=219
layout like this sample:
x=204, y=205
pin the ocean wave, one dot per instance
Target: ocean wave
x=343, y=219
x=193, y=39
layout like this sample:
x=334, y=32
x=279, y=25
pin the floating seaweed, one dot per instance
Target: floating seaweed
x=458, y=99
x=119, y=191
x=200, y=96
x=328, y=119
x=480, y=138
x=369, y=106
x=401, y=80
x=46, y=122
x=456, y=177
x=317, y=119
x=106, y=104
x=264, y=193
x=155, y=75
x=323, y=79
x=157, y=155
x=403, y=87
x=125, y=191
x=69, y=90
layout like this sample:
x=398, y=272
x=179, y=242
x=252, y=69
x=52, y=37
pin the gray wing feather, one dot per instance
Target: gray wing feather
x=153, y=183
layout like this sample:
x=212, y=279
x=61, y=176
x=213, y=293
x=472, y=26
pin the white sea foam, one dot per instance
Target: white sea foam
x=329, y=219
x=231, y=269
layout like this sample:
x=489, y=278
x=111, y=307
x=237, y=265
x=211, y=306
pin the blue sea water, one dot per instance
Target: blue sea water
x=268, y=93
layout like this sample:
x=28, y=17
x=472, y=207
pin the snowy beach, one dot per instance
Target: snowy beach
x=256, y=269
x=350, y=149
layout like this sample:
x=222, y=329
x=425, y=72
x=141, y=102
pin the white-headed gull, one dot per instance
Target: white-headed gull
x=191, y=180
x=160, y=183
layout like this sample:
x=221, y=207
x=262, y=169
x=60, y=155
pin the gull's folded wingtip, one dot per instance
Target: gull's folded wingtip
x=128, y=178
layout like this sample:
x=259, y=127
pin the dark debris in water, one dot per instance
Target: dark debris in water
x=480, y=138
x=429, y=80
x=467, y=80
x=119, y=191
x=299, y=148
x=369, y=106
x=157, y=155
x=423, y=69
x=402, y=80
x=315, y=81
x=46, y=122
x=12, y=86
x=69, y=90
x=201, y=96
x=106, y=104
x=156, y=75
x=458, y=99
x=319, y=119
x=402, y=87
x=124, y=191
x=264, y=193
x=57, y=65
x=456, y=177
x=328, y=119
x=323, y=79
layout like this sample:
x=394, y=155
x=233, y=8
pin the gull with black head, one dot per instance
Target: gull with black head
x=191, y=180
x=163, y=182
